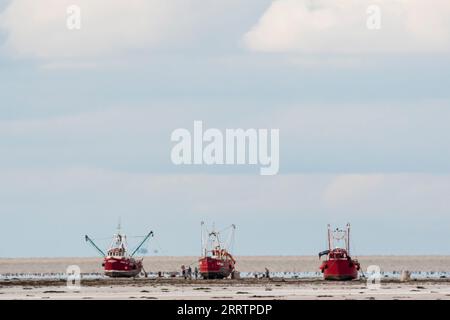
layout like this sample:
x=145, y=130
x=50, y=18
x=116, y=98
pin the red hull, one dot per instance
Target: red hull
x=340, y=269
x=122, y=267
x=213, y=268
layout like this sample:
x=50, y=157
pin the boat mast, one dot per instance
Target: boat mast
x=214, y=236
x=211, y=239
x=202, y=240
x=119, y=227
x=347, y=240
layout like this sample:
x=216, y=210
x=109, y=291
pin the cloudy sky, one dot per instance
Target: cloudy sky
x=86, y=117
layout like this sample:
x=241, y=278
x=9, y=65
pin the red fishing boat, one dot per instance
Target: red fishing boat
x=216, y=261
x=339, y=265
x=117, y=262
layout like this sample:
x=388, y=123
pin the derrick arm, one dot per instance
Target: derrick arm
x=86, y=237
x=322, y=253
x=140, y=245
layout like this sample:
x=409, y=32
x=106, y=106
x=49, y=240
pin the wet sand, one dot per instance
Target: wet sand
x=258, y=289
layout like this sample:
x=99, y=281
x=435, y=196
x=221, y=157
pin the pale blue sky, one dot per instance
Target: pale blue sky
x=85, y=133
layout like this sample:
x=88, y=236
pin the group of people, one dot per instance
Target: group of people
x=187, y=273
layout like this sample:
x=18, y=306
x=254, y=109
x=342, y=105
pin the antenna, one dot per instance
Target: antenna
x=348, y=238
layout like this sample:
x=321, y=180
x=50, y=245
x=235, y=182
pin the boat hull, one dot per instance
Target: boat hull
x=211, y=268
x=122, y=267
x=340, y=269
x=122, y=274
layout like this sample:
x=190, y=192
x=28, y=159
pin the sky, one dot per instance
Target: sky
x=86, y=117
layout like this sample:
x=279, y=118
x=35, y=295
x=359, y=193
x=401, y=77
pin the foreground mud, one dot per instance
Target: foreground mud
x=309, y=289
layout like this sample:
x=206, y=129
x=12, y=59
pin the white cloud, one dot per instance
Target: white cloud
x=115, y=28
x=108, y=27
x=340, y=27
